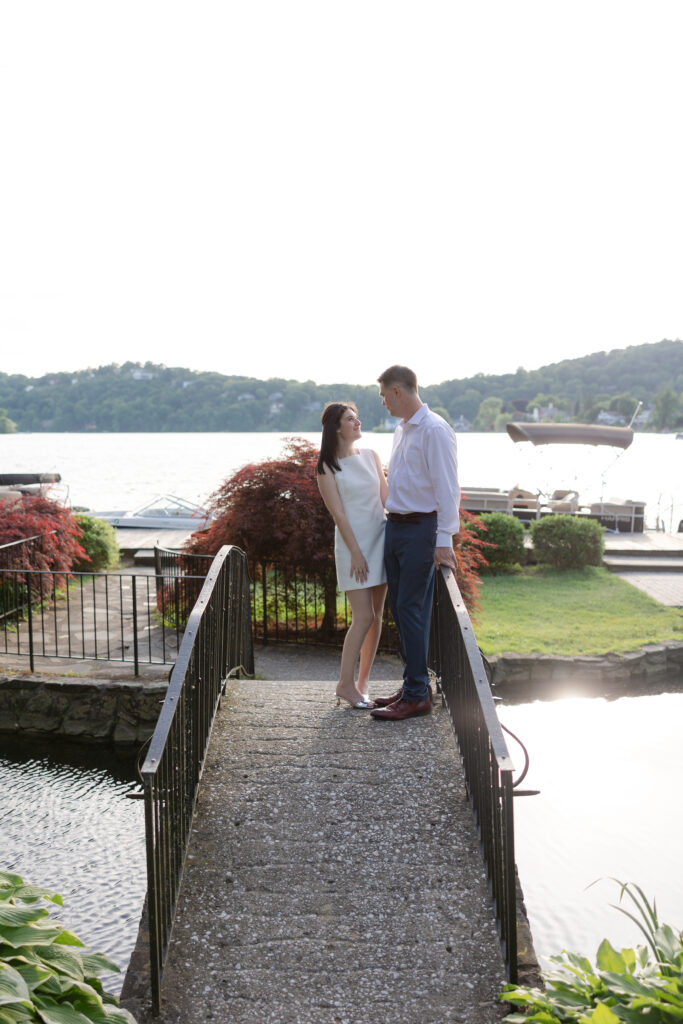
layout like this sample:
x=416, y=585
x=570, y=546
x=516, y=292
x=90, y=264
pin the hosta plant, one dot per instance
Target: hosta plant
x=634, y=985
x=46, y=974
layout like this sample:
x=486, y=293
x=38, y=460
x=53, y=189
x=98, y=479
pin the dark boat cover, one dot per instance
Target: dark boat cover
x=570, y=433
x=8, y=479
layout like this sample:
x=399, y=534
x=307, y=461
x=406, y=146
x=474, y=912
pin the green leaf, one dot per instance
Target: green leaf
x=61, y=1013
x=13, y=988
x=608, y=959
x=113, y=1015
x=668, y=943
x=67, y=938
x=17, y=916
x=33, y=974
x=603, y=1015
x=29, y=935
x=31, y=893
x=15, y=1015
x=8, y=880
x=629, y=956
x=63, y=961
x=98, y=963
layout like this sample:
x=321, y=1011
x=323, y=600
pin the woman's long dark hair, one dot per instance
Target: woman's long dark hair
x=331, y=418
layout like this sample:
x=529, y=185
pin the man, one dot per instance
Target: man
x=423, y=515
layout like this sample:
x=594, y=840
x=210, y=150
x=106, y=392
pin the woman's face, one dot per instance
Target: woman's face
x=349, y=426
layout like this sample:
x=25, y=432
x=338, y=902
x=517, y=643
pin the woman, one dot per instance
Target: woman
x=354, y=489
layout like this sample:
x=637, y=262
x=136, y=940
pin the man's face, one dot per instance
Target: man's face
x=389, y=395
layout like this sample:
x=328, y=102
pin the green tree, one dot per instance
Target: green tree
x=666, y=409
x=7, y=426
x=439, y=409
x=489, y=410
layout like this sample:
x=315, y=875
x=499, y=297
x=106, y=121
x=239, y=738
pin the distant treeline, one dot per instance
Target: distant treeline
x=137, y=397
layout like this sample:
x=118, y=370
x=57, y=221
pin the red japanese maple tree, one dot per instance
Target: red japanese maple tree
x=274, y=512
x=33, y=515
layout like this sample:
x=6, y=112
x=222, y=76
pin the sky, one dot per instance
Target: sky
x=316, y=189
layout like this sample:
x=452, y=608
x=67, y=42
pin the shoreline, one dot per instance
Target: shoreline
x=122, y=712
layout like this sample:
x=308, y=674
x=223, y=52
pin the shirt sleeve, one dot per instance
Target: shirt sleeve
x=441, y=452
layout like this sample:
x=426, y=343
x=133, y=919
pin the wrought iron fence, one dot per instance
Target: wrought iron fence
x=455, y=657
x=179, y=580
x=123, y=617
x=287, y=604
x=217, y=641
x=13, y=554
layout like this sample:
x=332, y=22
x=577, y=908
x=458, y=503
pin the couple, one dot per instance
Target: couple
x=401, y=552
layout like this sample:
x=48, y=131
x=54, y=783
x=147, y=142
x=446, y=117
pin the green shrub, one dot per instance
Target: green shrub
x=506, y=534
x=46, y=974
x=567, y=542
x=642, y=984
x=99, y=540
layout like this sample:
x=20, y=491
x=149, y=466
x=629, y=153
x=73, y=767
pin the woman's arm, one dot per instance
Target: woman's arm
x=329, y=491
x=383, y=485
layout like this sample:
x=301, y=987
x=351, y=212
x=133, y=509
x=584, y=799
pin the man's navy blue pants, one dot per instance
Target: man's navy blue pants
x=409, y=561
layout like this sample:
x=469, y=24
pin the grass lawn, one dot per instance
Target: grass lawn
x=575, y=611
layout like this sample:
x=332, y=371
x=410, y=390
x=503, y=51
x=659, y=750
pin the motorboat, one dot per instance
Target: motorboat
x=165, y=512
x=617, y=514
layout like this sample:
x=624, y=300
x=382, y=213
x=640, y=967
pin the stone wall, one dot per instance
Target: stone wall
x=650, y=669
x=86, y=711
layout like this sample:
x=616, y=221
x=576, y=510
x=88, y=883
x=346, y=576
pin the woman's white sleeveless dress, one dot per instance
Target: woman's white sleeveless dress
x=358, y=485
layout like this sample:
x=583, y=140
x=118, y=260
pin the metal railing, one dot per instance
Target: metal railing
x=15, y=553
x=287, y=604
x=488, y=768
x=179, y=580
x=123, y=617
x=217, y=642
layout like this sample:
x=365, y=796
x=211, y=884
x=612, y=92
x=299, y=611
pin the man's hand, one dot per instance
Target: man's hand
x=445, y=556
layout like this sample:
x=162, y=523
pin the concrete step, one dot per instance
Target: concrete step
x=643, y=563
x=145, y=556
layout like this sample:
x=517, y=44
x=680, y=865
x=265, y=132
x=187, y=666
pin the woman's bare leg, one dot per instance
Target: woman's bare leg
x=369, y=647
x=362, y=616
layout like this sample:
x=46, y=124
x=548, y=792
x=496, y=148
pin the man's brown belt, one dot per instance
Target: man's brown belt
x=409, y=517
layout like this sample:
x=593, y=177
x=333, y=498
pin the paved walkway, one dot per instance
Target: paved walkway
x=665, y=587
x=334, y=873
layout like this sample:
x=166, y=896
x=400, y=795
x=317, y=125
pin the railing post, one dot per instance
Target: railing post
x=30, y=628
x=135, y=627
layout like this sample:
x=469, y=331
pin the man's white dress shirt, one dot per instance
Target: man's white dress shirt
x=423, y=472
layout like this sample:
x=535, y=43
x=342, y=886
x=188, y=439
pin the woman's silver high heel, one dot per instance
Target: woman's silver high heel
x=360, y=705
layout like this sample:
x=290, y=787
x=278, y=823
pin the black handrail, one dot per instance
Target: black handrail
x=217, y=642
x=12, y=548
x=488, y=767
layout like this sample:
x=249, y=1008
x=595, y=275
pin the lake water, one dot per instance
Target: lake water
x=609, y=807
x=107, y=471
x=67, y=825
x=607, y=771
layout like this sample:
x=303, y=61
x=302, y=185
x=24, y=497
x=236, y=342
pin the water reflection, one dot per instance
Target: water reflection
x=67, y=825
x=609, y=807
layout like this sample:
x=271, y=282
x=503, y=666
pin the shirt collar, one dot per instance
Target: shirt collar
x=418, y=416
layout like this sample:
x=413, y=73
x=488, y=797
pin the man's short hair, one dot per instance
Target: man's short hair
x=400, y=375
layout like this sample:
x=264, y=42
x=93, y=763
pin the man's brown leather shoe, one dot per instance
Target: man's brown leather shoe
x=403, y=709
x=385, y=702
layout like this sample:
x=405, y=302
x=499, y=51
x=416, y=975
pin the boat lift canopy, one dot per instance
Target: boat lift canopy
x=570, y=433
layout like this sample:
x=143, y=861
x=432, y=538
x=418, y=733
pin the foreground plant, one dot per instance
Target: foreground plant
x=633, y=985
x=46, y=974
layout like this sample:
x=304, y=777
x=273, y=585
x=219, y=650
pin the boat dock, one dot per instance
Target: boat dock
x=138, y=544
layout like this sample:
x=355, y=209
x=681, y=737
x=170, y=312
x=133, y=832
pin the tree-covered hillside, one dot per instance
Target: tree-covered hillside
x=136, y=397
